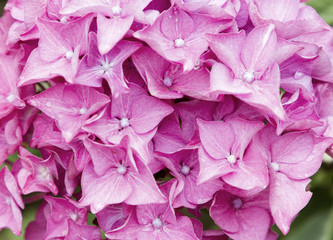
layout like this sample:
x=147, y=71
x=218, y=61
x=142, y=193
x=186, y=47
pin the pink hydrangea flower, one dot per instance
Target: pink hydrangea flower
x=134, y=114
x=290, y=18
x=242, y=217
x=248, y=71
x=227, y=152
x=72, y=109
x=95, y=67
x=114, y=18
x=10, y=202
x=292, y=159
x=180, y=37
x=116, y=176
x=155, y=221
x=168, y=81
x=34, y=174
x=57, y=54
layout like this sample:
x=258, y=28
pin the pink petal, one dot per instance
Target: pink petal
x=99, y=192
x=110, y=31
x=228, y=48
x=286, y=199
x=211, y=168
x=217, y=138
x=257, y=51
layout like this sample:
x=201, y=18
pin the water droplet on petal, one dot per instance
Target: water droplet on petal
x=157, y=223
x=248, y=77
x=275, y=166
x=231, y=159
x=11, y=98
x=116, y=10
x=179, y=42
x=48, y=104
x=69, y=54
x=121, y=169
x=124, y=122
x=167, y=82
x=237, y=203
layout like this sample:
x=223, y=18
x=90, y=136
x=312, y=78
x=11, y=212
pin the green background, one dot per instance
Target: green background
x=315, y=222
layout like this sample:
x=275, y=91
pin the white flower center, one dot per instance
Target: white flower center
x=231, y=159
x=275, y=166
x=43, y=173
x=124, y=122
x=121, y=169
x=82, y=110
x=248, y=77
x=237, y=203
x=197, y=65
x=74, y=217
x=179, y=42
x=298, y=75
x=106, y=67
x=116, y=10
x=157, y=223
x=69, y=54
x=63, y=20
x=185, y=170
x=167, y=82
x=11, y=98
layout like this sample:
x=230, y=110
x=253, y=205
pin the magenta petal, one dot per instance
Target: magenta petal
x=184, y=47
x=309, y=165
x=70, y=106
x=103, y=157
x=145, y=190
x=111, y=217
x=280, y=10
x=144, y=121
x=76, y=231
x=255, y=223
x=211, y=168
x=222, y=81
x=199, y=89
x=98, y=192
x=244, y=131
x=292, y=148
x=223, y=214
x=258, y=47
x=111, y=31
x=33, y=72
x=252, y=171
x=10, y=200
x=169, y=137
x=228, y=48
x=265, y=94
x=217, y=138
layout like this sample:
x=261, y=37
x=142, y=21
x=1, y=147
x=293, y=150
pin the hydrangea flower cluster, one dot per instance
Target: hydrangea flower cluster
x=143, y=108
